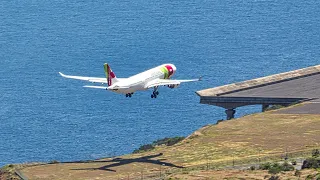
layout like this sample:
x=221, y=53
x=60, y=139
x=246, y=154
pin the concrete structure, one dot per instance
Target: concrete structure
x=280, y=89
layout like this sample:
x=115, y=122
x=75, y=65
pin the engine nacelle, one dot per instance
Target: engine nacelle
x=173, y=86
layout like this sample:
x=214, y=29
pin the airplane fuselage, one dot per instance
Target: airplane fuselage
x=139, y=81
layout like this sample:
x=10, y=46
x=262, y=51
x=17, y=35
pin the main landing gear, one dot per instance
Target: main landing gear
x=155, y=92
x=129, y=95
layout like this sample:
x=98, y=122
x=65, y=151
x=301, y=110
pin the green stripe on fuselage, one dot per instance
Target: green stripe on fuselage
x=166, y=72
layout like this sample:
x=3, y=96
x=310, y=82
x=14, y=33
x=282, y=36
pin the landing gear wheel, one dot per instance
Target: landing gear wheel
x=154, y=94
x=130, y=95
x=127, y=95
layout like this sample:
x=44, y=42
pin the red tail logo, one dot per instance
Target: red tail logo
x=110, y=75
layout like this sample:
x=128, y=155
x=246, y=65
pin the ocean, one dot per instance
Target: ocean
x=44, y=117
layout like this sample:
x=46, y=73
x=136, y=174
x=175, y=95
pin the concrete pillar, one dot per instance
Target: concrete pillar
x=264, y=107
x=230, y=113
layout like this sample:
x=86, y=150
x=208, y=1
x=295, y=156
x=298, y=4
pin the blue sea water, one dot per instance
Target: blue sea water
x=44, y=117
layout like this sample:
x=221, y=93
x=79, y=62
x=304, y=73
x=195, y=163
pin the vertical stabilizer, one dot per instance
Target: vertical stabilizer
x=111, y=77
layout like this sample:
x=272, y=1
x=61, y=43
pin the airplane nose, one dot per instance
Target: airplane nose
x=170, y=70
x=174, y=67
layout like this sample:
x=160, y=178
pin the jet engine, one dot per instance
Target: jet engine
x=173, y=86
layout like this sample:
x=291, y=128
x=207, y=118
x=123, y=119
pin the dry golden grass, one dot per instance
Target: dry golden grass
x=239, y=174
x=249, y=137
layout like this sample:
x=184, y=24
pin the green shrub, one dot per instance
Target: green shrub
x=315, y=153
x=297, y=173
x=275, y=168
x=309, y=177
x=311, y=163
x=143, y=148
x=313, y=177
x=168, y=141
x=287, y=167
x=164, y=141
x=274, y=178
x=265, y=166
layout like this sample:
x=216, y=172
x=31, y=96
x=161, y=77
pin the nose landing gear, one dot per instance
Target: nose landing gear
x=129, y=95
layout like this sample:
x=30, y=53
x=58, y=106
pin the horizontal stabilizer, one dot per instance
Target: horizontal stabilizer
x=97, y=87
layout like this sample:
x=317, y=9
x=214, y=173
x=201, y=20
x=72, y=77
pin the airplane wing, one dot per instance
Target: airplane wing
x=90, y=79
x=166, y=82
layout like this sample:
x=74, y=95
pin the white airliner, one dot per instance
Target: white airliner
x=152, y=78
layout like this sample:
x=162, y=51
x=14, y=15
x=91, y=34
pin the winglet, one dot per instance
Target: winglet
x=62, y=74
x=200, y=78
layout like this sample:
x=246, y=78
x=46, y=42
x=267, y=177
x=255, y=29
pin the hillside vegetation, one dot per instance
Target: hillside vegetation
x=249, y=139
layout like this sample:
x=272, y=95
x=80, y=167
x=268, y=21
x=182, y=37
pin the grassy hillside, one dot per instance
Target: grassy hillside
x=249, y=139
x=241, y=174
